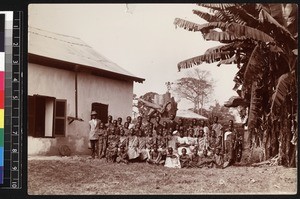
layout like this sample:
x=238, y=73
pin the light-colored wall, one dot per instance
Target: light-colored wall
x=61, y=84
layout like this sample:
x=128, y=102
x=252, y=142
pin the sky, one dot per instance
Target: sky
x=140, y=38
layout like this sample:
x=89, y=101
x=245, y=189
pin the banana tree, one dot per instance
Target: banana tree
x=262, y=40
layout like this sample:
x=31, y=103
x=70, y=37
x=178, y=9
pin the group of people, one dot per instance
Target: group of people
x=170, y=143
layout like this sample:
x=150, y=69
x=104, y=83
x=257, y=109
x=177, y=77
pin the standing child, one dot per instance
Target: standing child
x=123, y=139
x=150, y=141
x=160, y=141
x=102, y=143
x=142, y=146
x=192, y=140
x=112, y=146
x=182, y=142
x=94, y=124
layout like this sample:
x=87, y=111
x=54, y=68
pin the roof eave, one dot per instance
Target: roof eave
x=60, y=64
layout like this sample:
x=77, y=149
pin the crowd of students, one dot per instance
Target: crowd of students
x=170, y=143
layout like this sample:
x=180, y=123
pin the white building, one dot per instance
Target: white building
x=67, y=79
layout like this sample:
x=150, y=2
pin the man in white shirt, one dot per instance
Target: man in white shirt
x=94, y=124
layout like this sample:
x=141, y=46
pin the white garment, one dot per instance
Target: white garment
x=172, y=162
x=226, y=134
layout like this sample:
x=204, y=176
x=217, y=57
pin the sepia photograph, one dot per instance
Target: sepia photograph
x=162, y=99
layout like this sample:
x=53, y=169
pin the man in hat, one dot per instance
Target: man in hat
x=94, y=124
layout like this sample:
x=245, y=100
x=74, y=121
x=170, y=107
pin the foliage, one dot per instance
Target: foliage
x=262, y=40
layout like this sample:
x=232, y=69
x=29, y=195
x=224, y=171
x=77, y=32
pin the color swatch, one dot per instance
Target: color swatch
x=2, y=80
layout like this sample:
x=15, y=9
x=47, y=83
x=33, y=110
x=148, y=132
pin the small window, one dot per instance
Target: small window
x=60, y=118
x=46, y=116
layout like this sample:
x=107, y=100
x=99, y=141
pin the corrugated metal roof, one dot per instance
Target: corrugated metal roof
x=189, y=114
x=70, y=49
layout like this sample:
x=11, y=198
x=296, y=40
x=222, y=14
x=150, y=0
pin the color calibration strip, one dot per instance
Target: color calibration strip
x=12, y=127
x=2, y=83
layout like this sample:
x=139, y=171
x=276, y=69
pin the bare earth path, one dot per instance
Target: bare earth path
x=80, y=175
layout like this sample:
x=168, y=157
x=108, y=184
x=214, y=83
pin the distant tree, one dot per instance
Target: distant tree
x=196, y=87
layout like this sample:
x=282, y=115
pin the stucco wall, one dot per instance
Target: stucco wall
x=61, y=84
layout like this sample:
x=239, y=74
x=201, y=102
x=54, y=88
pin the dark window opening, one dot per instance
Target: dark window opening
x=46, y=116
x=102, y=111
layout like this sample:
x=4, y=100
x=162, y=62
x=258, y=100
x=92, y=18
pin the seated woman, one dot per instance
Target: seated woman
x=184, y=159
x=133, y=144
x=172, y=160
x=155, y=156
x=182, y=142
x=142, y=146
x=192, y=140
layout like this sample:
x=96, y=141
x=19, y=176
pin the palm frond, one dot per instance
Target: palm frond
x=221, y=48
x=290, y=14
x=282, y=90
x=208, y=58
x=280, y=30
x=255, y=65
x=206, y=16
x=235, y=101
x=231, y=60
x=191, y=26
x=249, y=32
x=232, y=28
x=217, y=6
x=223, y=37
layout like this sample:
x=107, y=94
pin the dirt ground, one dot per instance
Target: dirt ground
x=76, y=175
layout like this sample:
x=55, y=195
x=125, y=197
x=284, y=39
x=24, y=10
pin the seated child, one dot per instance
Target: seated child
x=155, y=156
x=194, y=163
x=172, y=160
x=122, y=155
x=184, y=159
x=205, y=160
x=218, y=159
